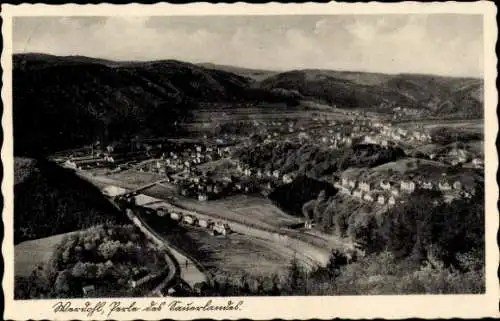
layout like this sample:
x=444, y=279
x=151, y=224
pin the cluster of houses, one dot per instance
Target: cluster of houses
x=387, y=192
x=400, y=134
x=213, y=227
x=275, y=175
x=403, y=112
x=458, y=156
x=187, y=159
x=249, y=180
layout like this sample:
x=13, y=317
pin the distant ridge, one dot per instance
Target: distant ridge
x=60, y=102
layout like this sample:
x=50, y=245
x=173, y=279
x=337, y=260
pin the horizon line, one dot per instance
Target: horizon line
x=249, y=68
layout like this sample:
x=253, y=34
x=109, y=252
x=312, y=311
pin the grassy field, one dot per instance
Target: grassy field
x=28, y=255
x=250, y=210
x=234, y=255
x=237, y=255
x=134, y=177
x=256, y=207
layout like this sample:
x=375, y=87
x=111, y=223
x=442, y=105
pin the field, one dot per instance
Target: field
x=28, y=255
x=234, y=255
x=256, y=207
x=134, y=177
x=249, y=210
x=237, y=255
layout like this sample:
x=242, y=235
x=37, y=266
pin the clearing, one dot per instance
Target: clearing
x=134, y=177
x=234, y=255
x=30, y=254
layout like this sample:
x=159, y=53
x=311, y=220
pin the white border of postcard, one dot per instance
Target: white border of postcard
x=391, y=307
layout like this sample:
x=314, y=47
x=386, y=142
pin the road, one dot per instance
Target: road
x=181, y=265
x=191, y=271
x=308, y=249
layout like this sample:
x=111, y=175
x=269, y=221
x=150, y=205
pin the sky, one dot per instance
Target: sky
x=442, y=44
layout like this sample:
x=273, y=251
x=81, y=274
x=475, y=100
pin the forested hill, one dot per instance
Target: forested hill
x=61, y=102
x=51, y=200
x=438, y=95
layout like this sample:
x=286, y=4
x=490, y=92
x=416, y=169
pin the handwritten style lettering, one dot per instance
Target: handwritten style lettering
x=89, y=308
x=179, y=306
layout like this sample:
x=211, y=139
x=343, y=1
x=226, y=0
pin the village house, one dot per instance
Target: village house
x=345, y=181
x=276, y=173
x=385, y=185
x=395, y=192
x=345, y=190
x=395, y=136
x=427, y=185
x=381, y=199
x=248, y=172
x=477, y=162
x=444, y=186
x=202, y=197
x=391, y=200
x=357, y=194
x=364, y=186
x=369, y=140
x=457, y=185
x=287, y=179
x=407, y=186
x=351, y=183
x=368, y=197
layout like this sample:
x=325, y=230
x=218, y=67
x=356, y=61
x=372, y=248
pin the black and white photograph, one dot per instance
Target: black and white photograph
x=201, y=156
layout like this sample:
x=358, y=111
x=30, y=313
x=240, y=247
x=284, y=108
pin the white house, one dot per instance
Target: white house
x=395, y=192
x=407, y=186
x=391, y=200
x=427, y=185
x=477, y=162
x=385, y=185
x=276, y=173
x=287, y=179
x=357, y=194
x=457, y=185
x=364, y=186
x=381, y=199
x=444, y=186
x=202, y=197
x=368, y=197
x=351, y=183
x=369, y=140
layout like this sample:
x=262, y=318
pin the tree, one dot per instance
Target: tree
x=336, y=261
x=78, y=270
x=296, y=280
x=62, y=285
x=109, y=249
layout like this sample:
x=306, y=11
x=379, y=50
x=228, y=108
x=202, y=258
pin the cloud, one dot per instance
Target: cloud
x=392, y=43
